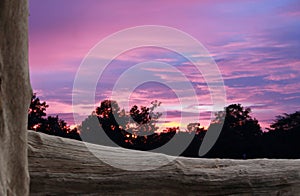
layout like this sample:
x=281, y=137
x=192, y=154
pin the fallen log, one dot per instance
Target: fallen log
x=60, y=166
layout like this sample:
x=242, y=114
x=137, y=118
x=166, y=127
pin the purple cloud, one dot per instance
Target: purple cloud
x=256, y=45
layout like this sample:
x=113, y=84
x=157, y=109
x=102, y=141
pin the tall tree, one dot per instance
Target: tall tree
x=282, y=140
x=145, y=119
x=36, y=112
x=134, y=129
x=240, y=136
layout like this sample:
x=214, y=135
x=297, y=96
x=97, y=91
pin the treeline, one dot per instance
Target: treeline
x=40, y=122
x=241, y=136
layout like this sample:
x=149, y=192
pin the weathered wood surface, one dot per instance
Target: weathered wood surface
x=15, y=92
x=60, y=166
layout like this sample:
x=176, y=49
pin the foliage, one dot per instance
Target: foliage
x=241, y=136
x=38, y=121
x=282, y=140
x=144, y=119
x=134, y=129
x=286, y=122
x=36, y=112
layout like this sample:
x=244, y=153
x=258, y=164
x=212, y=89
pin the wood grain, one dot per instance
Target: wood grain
x=15, y=93
x=61, y=166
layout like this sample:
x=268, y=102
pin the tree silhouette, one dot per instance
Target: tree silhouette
x=240, y=136
x=134, y=129
x=139, y=122
x=144, y=119
x=36, y=112
x=53, y=126
x=38, y=121
x=282, y=140
x=286, y=122
x=193, y=148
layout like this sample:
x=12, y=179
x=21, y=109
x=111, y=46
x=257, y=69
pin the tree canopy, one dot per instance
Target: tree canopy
x=282, y=140
x=134, y=129
x=39, y=121
x=36, y=112
x=286, y=122
x=241, y=135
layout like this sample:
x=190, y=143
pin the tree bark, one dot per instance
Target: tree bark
x=61, y=166
x=15, y=93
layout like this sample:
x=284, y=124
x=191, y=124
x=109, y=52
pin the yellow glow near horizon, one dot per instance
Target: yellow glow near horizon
x=171, y=124
x=177, y=124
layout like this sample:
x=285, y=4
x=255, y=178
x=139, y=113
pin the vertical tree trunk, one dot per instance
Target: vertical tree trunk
x=15, y=94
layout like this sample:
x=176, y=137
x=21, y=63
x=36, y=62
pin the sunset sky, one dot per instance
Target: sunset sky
x=255, y=43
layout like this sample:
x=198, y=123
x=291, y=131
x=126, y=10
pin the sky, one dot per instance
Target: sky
x=255, y=44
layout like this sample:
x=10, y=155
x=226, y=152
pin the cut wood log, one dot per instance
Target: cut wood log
x=15, y=93
x=60, y=166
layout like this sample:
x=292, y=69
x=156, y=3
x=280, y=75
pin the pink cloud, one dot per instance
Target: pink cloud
x=245, y=37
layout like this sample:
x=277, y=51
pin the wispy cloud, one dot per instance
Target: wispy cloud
x=256, y=45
